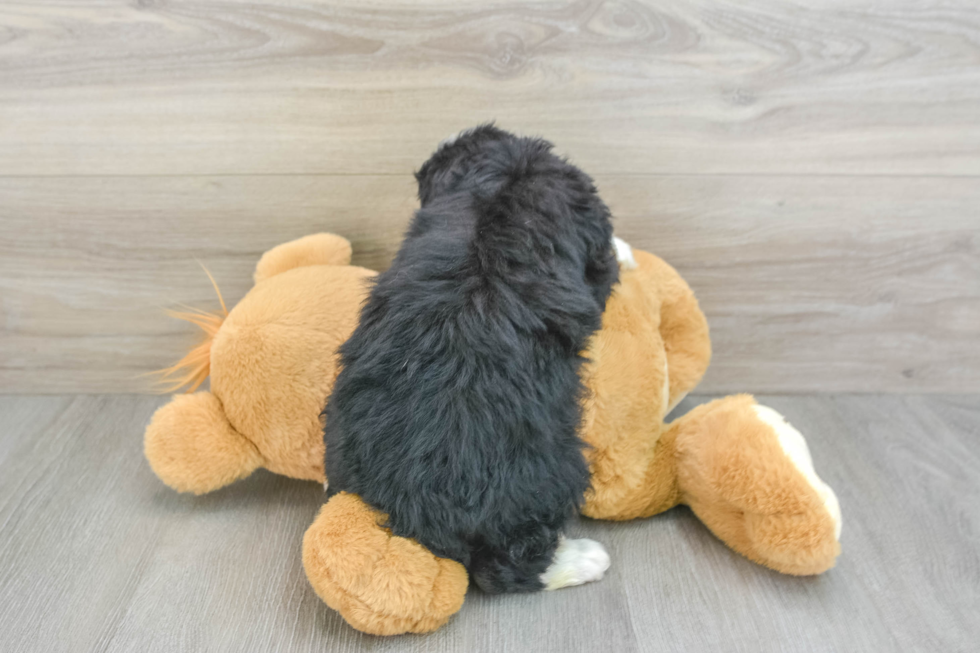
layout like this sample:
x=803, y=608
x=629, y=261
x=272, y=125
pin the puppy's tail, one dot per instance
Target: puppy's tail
x=193, y=369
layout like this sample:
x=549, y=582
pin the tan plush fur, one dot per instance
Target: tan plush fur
x=192, y=447
x=382, y=584
x=734, y=476
x=315, y=249
x=272, y=367
x=271, y=374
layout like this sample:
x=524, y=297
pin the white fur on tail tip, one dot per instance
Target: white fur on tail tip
x=575, y=562
x=794, y=446
x=624, y=254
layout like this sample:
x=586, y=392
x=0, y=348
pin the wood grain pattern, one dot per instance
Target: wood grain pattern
x=812, y=168
x=96, y=555
x=809, y=283
x=695, y=86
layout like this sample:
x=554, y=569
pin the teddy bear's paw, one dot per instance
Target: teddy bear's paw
x=576, y=562
x=624, y=254
x=747, y=474
x=795, y=448
x=192, y=447
x=380, y=583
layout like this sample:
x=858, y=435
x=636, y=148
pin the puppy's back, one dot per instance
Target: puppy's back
x=458, y=405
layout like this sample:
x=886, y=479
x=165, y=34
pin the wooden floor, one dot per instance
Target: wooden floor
x=97, y=555
x=811, y=167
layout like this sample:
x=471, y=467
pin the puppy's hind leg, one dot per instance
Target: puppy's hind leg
x=576, y=562
x=534, y=559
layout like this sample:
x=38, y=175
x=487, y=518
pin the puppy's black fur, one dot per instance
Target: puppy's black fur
x=457, y=408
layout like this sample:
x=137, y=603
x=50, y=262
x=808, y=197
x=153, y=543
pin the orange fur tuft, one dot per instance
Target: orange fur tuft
x=194, y=368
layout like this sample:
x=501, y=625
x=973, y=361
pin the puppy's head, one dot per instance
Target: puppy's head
x=534, y=207
x=463, y=162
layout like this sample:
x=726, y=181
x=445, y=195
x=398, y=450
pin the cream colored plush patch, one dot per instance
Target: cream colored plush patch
x=624, y=254
x=794, y=446
x=576, y=562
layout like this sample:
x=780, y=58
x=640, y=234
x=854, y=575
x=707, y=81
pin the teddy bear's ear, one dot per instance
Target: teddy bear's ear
x=316, y=249
x=192, y=447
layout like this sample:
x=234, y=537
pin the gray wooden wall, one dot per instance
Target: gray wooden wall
x=812, y=168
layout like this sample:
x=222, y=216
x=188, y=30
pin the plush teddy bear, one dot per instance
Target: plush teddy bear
x=742, y=469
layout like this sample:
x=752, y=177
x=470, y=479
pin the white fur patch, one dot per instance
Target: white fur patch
x=449, y=140
x=624, y=254
x=794, y=446
x=576, y=562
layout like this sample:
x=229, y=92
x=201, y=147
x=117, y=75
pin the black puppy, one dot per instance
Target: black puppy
x=457, y=408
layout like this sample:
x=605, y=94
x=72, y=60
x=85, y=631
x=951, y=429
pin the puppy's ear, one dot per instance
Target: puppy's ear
x=601, y=274
x=423, y=177
x=601, y=268
x=459, y=158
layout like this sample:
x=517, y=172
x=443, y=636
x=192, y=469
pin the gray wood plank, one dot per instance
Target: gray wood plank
x=919, y=510
x=811, y=167
x=26, y=416
x=690, y=86
x=810, y=284
x=96, y=555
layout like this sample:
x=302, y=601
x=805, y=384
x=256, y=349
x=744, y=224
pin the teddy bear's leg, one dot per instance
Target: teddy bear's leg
x=192, y=447
x=683, y=328
x=315, y=249
x=747, y=474
x=632, y=482
x=380, y=583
